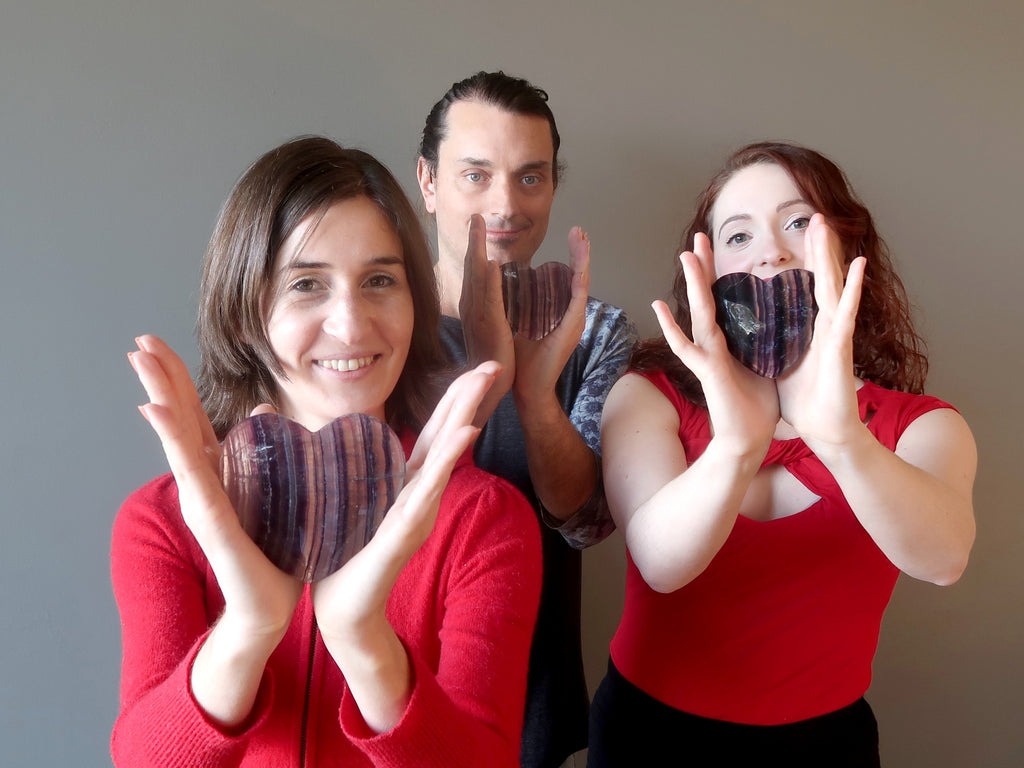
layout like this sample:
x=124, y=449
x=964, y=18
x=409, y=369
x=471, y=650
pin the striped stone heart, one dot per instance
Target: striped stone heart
x=311, y=500
x=535, y=299
x=767, y=324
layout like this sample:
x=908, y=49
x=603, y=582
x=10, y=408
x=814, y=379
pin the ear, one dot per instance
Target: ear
x=426, y=182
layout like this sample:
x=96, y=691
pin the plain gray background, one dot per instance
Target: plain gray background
x=124, y=124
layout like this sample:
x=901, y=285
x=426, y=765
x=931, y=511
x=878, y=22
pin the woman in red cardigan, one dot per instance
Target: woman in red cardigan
x=767, y=517
x=318, y=301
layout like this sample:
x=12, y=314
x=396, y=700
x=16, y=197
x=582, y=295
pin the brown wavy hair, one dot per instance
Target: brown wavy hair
x=302, y=178
x=886, y=349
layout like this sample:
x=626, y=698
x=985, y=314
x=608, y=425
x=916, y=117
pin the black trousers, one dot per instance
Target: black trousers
x=630, y=729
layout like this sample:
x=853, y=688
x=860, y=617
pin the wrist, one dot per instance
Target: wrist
x=835, y=453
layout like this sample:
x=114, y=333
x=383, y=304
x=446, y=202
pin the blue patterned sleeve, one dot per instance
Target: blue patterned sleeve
x=609, y=337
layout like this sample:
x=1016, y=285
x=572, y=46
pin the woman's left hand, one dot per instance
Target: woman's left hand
x=350, y=604
x=818, y=397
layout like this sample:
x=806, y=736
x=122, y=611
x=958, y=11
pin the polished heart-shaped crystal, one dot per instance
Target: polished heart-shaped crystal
x=767, y=324
x=311, y=500
x=535, y=299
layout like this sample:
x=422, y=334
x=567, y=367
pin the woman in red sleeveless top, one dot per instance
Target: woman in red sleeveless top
x=767, y=519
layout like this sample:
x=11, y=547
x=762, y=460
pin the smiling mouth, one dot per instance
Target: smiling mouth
x=350, y=364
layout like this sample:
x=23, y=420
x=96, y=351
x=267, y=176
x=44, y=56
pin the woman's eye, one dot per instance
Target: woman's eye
x=800, y=222
x=738, y=239
x=303, y=285
x=381, y=281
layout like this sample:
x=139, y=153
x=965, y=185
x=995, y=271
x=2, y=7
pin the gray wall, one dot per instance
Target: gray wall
x=124, y=124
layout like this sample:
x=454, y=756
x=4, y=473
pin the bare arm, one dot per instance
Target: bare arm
x=676, y=517
x=914, y=502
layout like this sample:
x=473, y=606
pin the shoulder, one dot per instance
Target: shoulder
x=647, y=396
x=155, y=503
x=889, y=413
x=485, y=528
x=149, y=524
x=606, y=323
x=484, y=504
x=604, y=348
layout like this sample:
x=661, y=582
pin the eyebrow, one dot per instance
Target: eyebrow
x=536, y=165
x=778, y=209
x=376, y=261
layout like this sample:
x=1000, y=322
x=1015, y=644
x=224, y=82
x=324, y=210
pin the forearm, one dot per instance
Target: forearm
x=563, y=468
x=674, y=535
x=377, y=671
x=924, y=525
x=226, y=674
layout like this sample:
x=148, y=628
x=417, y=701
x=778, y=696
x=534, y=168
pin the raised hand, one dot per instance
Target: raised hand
x=818, y=397
x=743, y=407
x=259, y=599
x=540, y=363
x=482, y=311
x=350, y=604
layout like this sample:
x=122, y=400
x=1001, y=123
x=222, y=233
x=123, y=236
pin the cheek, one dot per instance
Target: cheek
x=286, y=333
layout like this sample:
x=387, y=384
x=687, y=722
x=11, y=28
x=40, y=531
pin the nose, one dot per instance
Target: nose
x=346, y=318
x=776, y=253
x=502, y=197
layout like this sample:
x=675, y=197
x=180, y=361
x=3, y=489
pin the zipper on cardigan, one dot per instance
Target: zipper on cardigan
x=309, y=687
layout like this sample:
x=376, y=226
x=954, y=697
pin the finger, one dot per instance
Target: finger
x=846, y=313
x=456, y=408
x=825, y=254
x=476, y=252
x=262, y=409
x=425, y=489
x=180, y=381
x=705, y=256
x=579, y=260
x=698, y=293
x=677, y=340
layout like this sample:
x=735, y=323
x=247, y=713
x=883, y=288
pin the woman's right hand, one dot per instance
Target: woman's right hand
x=259, y=598
x=743, y=407
x=351, y=603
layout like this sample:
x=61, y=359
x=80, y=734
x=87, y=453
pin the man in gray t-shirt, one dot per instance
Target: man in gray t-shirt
x=488, y=171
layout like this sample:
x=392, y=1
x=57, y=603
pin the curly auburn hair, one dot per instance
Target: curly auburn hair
x=886, y=349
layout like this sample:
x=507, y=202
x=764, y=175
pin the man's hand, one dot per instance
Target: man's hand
x=540, y=363
x=484, y=325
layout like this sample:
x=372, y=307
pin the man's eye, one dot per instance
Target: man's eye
x=531, y=180
x=475, y=177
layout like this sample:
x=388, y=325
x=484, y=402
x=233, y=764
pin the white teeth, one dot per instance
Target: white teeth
x=351, y=364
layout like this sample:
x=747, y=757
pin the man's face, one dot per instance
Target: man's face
x=496, y=164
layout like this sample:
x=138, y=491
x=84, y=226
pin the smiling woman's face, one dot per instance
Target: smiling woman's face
x=758, y=222
x=342, y=315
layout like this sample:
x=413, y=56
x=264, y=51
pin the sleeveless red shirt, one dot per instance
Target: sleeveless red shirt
x=783, y=624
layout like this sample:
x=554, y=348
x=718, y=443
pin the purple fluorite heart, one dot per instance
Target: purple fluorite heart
x=535, y=299
x=311, y=500
x=767, y=324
